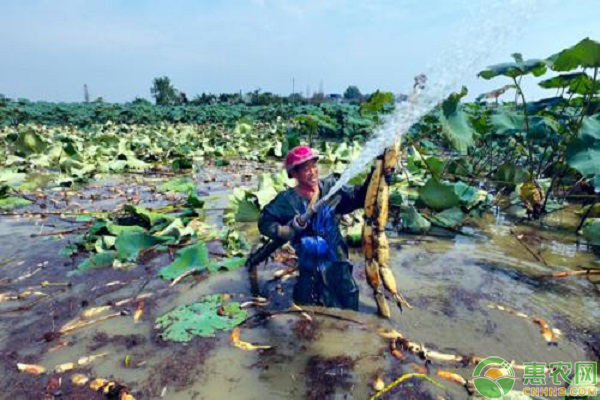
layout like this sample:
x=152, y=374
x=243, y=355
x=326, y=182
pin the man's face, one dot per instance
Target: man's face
x=307, y=173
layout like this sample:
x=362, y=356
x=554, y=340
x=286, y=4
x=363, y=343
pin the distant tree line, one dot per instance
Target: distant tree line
x=164, y=93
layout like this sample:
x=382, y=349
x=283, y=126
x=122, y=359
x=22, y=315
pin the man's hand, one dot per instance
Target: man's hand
x=288, y=232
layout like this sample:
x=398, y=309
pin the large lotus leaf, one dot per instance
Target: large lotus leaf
x=192, y=257
x=114, y=166
x=450, y=218
x=116, y=230
x=29, y=142
x=505, y=121
x=99, y=260
x=227, y=264
x=584, y=54
x=266, y=190
x=543, y=130
x=583, y=153
x=435, y=165
x=129, y=245
x=281, y=181
x=438, y=196
x=148, y=218
x=544, y=104
x=136, y=164
x=514, y=69
x=242, y=128
x=12, y=178
x=591, y=231
x=469, y=196
x=414, y=222
x=455, y=123
x=203, y=318
x=577, y=82
x=10, y=202
x=182, y=185
x=243, y=206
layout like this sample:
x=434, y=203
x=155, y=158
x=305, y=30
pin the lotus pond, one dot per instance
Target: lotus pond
x=124, y=233
x=478, y=293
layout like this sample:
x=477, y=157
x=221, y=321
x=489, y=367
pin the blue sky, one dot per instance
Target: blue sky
x=51, y=48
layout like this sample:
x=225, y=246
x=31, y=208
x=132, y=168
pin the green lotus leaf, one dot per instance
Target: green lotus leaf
x=437, y=195
x=455, y=123
x=591, y=231
x=129, y=245
x=514, y=69
x=29, y=142
x=577, y=82
x=583, y=153
x=505, y=121
x=203, y=318
x=148, y=219
x=414, y=222
x=194, y=201
x=192, y=257
x=450, y=218
x=243, y=206
x=181, y=185
x=227, y=264
x=584, y=54
x=99, y=260
x=116, y=230
x=11, y=202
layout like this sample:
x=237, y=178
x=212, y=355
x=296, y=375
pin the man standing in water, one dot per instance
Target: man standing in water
x=325, y=273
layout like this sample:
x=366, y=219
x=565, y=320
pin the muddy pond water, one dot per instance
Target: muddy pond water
x=477, y=293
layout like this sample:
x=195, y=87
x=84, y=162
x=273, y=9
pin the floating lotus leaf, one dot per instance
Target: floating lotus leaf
x=227, y=264
x=192, y=257
x=149, y=218
x=11, y=202
x=129, y=245
x=209, y=315
x=116, y=230
x=99, y=260
x=181, y=185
